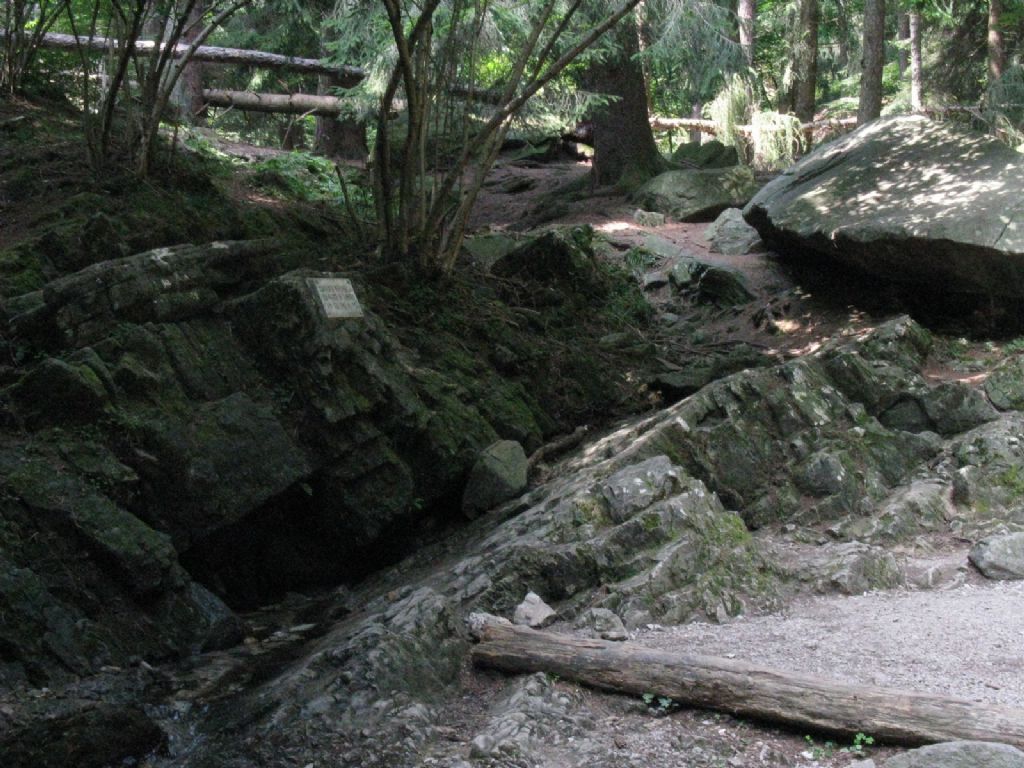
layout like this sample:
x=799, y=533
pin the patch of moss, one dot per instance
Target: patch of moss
x=1012, y=479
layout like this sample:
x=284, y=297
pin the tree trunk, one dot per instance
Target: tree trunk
x=902, y=38
x=188, y=93
x=695, y=113
x=623, y=141
x=872, y=63
x=336, y=138
x=342, y=139
x=807, y=60
x=996, y=44
x=916, y=76
x=746, y=14
x=737, y=687
x=842, y=37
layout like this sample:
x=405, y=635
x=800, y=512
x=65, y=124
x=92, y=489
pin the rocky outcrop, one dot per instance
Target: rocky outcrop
x=190, y=416
x=908, y=199
x=639, y=528
x=697, y=195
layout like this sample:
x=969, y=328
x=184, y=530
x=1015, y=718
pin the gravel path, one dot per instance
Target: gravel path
x=966, y=642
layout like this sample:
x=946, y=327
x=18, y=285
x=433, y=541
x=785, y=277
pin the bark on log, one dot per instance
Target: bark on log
x=744, y=689
x=280, y=103
x=349, y=76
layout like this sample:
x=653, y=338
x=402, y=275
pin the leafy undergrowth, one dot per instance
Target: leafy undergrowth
x=59, y=216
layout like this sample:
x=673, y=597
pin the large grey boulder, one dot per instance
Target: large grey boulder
x=1000, y=557
x=697, y=195
x=960, y=754
x=730, y=234
x=908, y=199
x=498, y=475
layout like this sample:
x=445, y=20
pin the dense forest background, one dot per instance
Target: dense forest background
x=427, y=93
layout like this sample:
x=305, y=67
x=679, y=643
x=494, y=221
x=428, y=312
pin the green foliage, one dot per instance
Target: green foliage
x=860, y=743
x=820, y=751
x=691, y=51
x=639, y=260
x=660, y=705
x=298, y=175
x=1004, y=106
x=730, y=109
x=776, y=138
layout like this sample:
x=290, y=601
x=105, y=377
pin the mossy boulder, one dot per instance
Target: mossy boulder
x=707, y=154
x=498, y=475
x=1005, y=385
x=988, y=473
x=56, y=392
x=697, y=195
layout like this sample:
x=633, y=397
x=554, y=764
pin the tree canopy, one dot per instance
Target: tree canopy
x=437, y=87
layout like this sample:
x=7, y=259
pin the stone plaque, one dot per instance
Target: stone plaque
x=337, y=297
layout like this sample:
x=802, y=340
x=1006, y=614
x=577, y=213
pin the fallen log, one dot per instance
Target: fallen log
x=347, y=76
x=709, y=126
x=741, y=688
x=280, y=103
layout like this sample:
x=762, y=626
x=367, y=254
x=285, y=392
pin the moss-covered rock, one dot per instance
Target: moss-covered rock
x=697, y=195
x=707, y=154
x=91, y=737
x=1005, y=385
x=56, y=392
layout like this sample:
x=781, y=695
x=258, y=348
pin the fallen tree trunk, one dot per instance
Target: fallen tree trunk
x=744, y=689
x=280, y=103
x=708, y=126
x=348, y=76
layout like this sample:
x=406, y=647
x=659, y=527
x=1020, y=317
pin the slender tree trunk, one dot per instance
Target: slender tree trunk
x=996, y=43
x=916, y=77
x=902, y=39
x=842, y=37
x=872, y=63
x=807, y=60
x=695, y=113
x=746, y=14
x=623, y=140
